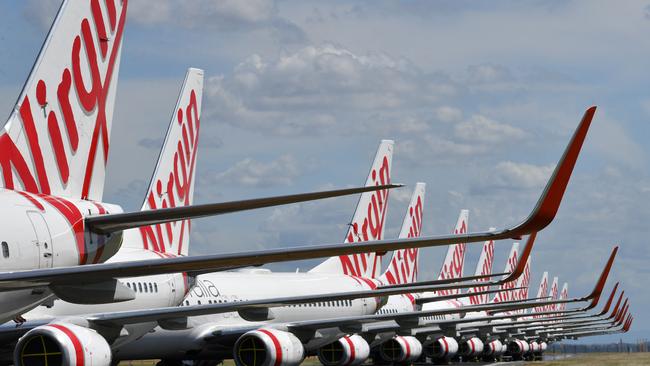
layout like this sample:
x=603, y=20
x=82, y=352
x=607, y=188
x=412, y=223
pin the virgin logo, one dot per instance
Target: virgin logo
x=454, y=269
x=543, y=288
x=173, y=188
x=403, y=267
x=90, y=94
x=370, y=227
x=486, y=269
x=506, y=295
x=525, y=281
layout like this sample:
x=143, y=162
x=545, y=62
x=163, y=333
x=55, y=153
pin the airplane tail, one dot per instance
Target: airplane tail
x=172, y=183
x=541, y=291
x=367, y=222
x=554, y=292
x=511, y=263
x=57, y=137
x=564, y=295
x=483, y=267
x=523, y=282
x=403, y=266
x=454, y=262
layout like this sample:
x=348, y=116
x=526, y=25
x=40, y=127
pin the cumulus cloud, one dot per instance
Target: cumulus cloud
x=487, y=73
x=482, y=129
x=223, y=15
x=509, y=174
x=307, y=91
x=253, y=173
x=219, y=14
x=448, y=114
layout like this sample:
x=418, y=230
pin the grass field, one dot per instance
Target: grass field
x=587, y=359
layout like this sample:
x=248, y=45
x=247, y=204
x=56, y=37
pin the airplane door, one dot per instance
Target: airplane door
x=43, y=239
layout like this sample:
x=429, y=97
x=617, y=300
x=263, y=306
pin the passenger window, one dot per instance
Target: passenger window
x=139, y=287
x=5, y=249
x=150, y=287
x=187, y=302
x=155, y=287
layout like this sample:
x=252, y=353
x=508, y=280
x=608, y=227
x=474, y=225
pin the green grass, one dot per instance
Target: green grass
x=583, y=359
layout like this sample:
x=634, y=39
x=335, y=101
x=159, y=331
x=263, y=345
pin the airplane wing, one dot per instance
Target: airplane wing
x=256, y=310
x=140, y=316
x=541, y=216
x=108, y=223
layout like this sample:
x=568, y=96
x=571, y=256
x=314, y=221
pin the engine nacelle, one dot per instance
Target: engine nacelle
x=535, y=347
x=543, y=346
x=62, y=344
x=471, y=347
x=493, y=348
x=268, y=347
x=349, y=350
x=401, y=349
x=442, y=347
x=518, y=347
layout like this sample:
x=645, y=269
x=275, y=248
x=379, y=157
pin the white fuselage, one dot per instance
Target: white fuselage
x=203, y=338
x=41, y=231
x=154, y=291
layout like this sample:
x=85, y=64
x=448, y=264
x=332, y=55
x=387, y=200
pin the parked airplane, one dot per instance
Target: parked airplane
x=539, y=218
x=53, y=154
x=169, y=289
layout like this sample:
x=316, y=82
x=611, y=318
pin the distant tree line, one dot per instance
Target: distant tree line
x=641, y=345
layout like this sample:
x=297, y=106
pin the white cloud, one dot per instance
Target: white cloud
x=521, y=175
x=320, y=88
x=482, y=129
x=448, y=114
x=192, y=14
x=487, y=73
x=249, y=172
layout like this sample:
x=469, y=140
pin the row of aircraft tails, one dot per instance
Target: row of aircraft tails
x=85, y=283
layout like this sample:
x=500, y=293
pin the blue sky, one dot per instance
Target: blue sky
x=480, y=98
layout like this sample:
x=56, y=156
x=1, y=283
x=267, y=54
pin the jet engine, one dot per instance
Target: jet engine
x=268, y=347
x=517, y=348
x=493, y=348
x=349, y=350
x=535, y=347
x=401, y=349
x=441, y=348
x=543, y=346
x=62, y=344
x=471, y=347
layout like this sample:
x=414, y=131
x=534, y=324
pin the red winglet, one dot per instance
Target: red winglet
x=521, y=263
x=629, y=323
x=549, y=201
x=609, y=301
x=595, y=294
x=623, y=312
x=618, y=303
